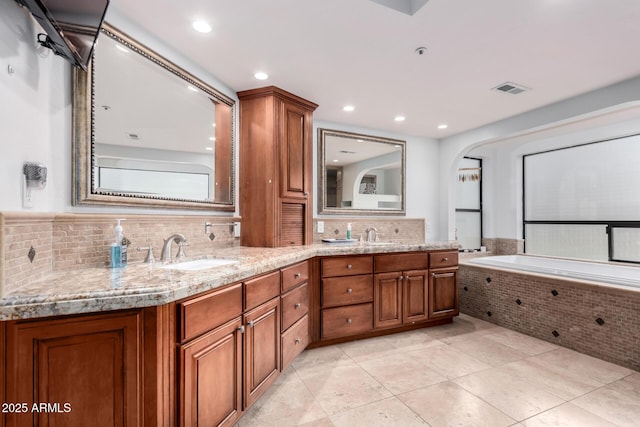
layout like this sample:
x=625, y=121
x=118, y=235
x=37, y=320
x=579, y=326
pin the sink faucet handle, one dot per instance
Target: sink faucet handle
x=149, y=259
x=181, y=245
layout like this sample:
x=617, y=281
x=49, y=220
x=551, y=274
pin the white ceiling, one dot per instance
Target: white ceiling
x=359, y=52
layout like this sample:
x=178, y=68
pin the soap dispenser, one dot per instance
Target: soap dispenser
x=349, y=231
x=116, y=247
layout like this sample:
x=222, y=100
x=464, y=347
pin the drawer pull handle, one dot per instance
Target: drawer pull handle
x=445, y=259
x=349, y=321
x=297, y=275
x=349, y=290
x=298, y=341
x=349, y=266
x=296, y=306
x=241, y=329
x=250, y=324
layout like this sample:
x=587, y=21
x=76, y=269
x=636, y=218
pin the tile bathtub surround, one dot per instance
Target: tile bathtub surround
x=601, y=321
x=389, y=229
x=429, y=377
x=502, y=246
x=74, y=241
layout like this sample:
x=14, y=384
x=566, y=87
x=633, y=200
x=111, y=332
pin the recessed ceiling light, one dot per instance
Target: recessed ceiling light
x=348, y=108
x=399, y=118
x=213, y=138
x=214, y=125
x=208, y=148
x=443, y=126
x=261, y=75
x=122, y=48
x=360, y=140
x=201, y=26
x=336, y=160
x=192, y=89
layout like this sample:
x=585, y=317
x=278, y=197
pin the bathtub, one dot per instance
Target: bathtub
x=615, y=274
x=590, y=307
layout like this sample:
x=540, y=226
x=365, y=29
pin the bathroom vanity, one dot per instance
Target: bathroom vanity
x=155, y=346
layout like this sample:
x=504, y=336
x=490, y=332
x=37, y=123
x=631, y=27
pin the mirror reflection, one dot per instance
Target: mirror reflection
x=159, y=135
x=360, y=174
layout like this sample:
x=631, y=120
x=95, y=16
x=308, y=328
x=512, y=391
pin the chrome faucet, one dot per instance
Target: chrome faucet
x=166, y=247
x=372, y=234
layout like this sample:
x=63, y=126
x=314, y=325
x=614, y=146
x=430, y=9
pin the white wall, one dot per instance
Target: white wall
x=35, y=110
x=422, y=177
x=585, y=113
x=502, y=169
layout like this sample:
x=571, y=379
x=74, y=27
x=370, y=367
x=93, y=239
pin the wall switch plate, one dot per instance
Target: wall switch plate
x=320, y=226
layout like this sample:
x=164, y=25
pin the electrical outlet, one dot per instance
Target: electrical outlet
x=320, y=226
x=26, y=196
x=236, y=229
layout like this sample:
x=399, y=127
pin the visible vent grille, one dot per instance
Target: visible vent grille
x=510, y=87
x=292, y=229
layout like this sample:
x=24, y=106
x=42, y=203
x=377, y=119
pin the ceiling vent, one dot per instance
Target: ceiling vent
x=510, y=87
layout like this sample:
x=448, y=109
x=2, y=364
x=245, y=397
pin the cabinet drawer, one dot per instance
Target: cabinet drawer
x=294, y=275
x=400, y=262
x=261, y=289
x=344, y=321
x=295, y=304
x=295, y=340
x=347, y=290
x=201, y=314
x=443, y=259
x=346, y=266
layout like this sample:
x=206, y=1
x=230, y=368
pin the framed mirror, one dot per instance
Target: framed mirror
x=360, y=174
x=148, y=133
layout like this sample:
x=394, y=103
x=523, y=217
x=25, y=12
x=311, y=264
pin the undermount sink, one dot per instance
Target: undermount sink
x=200, y=264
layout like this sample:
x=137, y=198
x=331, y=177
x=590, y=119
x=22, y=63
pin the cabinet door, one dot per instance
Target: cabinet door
x=387, y=300
x=295, y=161
x=261, y=349
x=87, y=368
x=415, y=296
x=443, y=293
x=211, y=377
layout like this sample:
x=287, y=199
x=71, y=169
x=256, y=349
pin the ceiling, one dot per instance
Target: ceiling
x=362, y=53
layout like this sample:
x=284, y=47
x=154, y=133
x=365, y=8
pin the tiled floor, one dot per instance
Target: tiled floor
x=469, y=373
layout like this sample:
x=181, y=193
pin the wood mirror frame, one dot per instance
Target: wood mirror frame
x=85, y=188
x=370, y=157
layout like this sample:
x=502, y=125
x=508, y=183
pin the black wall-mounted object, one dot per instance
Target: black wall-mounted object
x=72, y=27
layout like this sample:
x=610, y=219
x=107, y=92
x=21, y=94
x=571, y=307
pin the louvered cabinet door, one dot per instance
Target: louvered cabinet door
x=293, y=224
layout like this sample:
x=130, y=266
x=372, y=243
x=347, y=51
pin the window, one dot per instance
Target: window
x=469, y=203
x=583, y=201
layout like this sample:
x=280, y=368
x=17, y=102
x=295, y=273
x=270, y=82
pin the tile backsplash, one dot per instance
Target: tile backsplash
x=74, y=241
x=389, y=229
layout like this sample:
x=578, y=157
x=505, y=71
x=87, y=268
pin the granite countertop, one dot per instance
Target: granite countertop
x=145, y=285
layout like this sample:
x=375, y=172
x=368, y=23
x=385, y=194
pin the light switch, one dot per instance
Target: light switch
x=320, y=226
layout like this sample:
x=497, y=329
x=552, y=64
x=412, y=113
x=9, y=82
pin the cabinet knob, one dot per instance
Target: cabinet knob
x=298, y=341
x=306, y=193
x=349, y=321
x=349, y=290
x=241, y=329
x=349, y=266
x=401, y=277
x=296, y=306
x=297, y=275
x=250, y=323
x=445, y=259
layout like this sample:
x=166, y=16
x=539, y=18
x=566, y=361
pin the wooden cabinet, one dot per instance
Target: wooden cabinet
x=211, y=377
x=443, y=291
x=401, y=289
x=88, y=367
x=346, y=295
x=261, y=349
x=443, y=285
x=275, y=168
x=295, y=309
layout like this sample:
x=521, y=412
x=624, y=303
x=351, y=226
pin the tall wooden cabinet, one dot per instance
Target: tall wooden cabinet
x=275, y=168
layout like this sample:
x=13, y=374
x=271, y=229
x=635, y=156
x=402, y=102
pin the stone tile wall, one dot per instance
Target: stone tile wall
x=389, y=229
x=597, y=320
x=73, y=241
x=501, y=246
